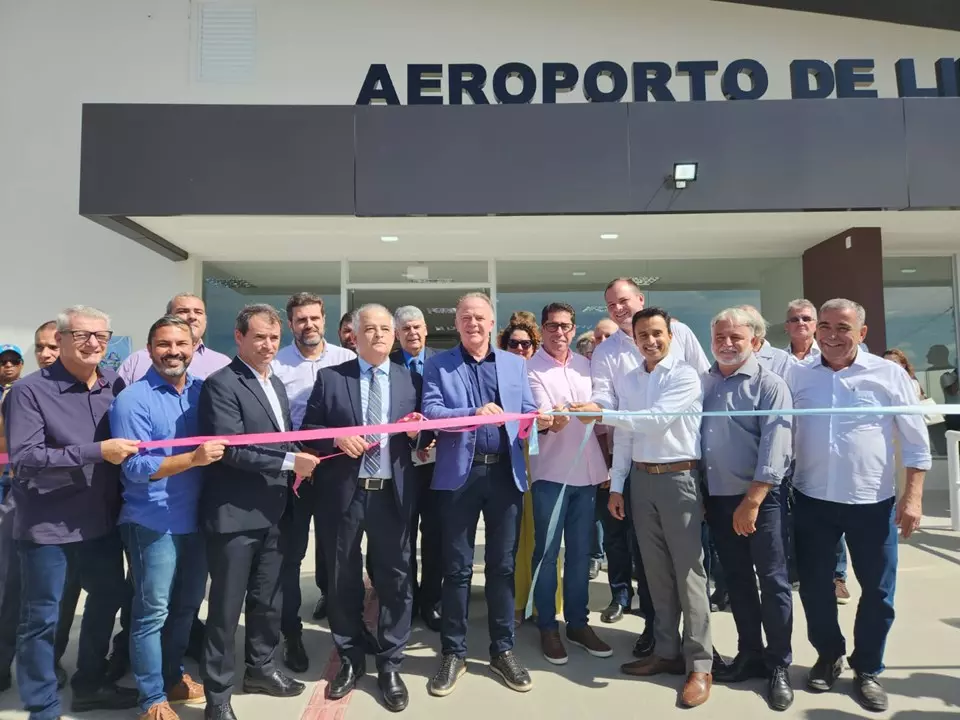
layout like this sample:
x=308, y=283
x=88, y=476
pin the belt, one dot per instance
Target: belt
x=372, y=483
x=487, y=458
x=662, y=468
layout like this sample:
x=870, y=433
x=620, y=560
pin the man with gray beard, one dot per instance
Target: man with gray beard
x=296, y=365
x=158, y=520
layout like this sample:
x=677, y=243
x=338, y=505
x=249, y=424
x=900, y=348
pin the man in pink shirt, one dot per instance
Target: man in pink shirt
x=558, y=377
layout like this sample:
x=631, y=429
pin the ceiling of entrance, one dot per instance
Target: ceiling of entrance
x=572, y=237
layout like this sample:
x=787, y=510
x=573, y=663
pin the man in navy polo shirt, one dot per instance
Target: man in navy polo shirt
x=66, y=491
x=158, y=520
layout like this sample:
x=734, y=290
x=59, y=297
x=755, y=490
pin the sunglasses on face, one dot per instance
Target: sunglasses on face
x=10, y=361
x=522, y=344
x=800, y=319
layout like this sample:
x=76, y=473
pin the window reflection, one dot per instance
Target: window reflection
x=918, y=300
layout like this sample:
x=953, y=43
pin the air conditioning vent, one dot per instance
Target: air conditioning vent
x=227, y=42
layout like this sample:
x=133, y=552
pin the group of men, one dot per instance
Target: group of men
x=84, y=492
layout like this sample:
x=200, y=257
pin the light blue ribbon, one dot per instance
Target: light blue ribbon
x=555, y=513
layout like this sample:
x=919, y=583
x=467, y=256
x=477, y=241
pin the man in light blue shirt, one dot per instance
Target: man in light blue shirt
x=296, y=365
x=158, y=520
x=845, y=485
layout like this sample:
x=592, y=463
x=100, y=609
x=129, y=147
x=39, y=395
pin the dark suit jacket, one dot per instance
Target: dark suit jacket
x=246, y=490
x=397, y=356
x=335, y=402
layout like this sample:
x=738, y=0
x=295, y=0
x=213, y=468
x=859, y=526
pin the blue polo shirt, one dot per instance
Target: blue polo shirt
x=152, y=409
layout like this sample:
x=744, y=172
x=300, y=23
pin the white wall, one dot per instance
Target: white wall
x=57, y=54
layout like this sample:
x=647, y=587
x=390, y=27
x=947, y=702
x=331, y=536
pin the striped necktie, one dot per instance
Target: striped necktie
x=371, y=458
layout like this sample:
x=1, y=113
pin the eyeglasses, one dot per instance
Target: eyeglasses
x=801, y=318
x=554, y=326
x=522, y=344
x=82, y=337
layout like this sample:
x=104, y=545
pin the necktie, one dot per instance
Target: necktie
x=371, y=458
x=415, y=366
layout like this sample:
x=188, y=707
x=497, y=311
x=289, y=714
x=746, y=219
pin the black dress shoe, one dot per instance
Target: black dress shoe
x=295, y=654
x=612, y=613
x=511, y=671
x=645, y=644
x=594, y=568
x=824, y=674
x=346, y=679
x=431, y=618
x=6, y=681
x=451, y=668
x=779, y=691
x=320, y=609
x=276, y=684
x=218, y=712
x=117, y=667
x=869, y=693
x=395, y=695
x=108, y=697
x=61, y=676
x=745, y=666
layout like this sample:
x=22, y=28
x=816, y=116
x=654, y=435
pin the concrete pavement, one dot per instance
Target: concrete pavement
x=922, y=677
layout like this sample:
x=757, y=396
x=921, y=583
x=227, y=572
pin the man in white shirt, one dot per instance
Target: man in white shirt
x=612, y=361
x=296, y=366
x=844, y=484
x=660, y=453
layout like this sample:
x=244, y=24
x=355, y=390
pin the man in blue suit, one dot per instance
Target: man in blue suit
x=368, y=489
x=481, y=471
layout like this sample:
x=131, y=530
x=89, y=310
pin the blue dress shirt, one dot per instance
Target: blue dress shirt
x=414, y=363
x=383, y=380
x=152, y=409
x=483, y=388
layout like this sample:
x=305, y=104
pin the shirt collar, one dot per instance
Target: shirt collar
x=407, y=357
x=542, y=354
x=158, y=382
x=256, y=374
x=750, y=368
x=859, y=360
x=296, y=349
x=65, y=381
x=365, y=366
x=664, y=365
x=814, y=349
x=491, y=355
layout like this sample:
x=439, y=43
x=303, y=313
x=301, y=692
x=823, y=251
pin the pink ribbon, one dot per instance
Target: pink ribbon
x=461, y=424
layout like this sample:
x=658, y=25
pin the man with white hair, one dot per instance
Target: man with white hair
x=801, y=326
x=190, y=308
x=67, y=493
x=845, y=485
x=411, y=330
x=745, y=460
x=368, y=488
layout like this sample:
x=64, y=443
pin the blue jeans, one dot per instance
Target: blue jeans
x=840, y=572
x=43, y=571
x=169, y=580
x=576, y=525
x=872, y=539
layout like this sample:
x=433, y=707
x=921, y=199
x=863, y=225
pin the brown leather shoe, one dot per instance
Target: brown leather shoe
x=696, y=690
x=552, y=647
x=654, y=665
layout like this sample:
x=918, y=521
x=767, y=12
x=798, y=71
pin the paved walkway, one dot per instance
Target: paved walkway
x=922, y=677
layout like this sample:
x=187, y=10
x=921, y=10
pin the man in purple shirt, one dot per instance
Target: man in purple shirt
x=558, y=377
x=67, y=493
x=205, y=361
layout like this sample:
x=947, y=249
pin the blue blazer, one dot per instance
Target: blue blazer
x=446, y=395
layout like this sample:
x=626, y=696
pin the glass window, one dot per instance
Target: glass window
x=918, y=302
x=228, y=286
x=691, y=290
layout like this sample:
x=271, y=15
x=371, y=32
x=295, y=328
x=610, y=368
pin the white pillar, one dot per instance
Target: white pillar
x=780, y=284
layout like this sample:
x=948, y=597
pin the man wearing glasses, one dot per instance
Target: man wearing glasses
x=66, y=490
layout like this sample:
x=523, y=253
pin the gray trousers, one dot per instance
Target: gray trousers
x=667, y=515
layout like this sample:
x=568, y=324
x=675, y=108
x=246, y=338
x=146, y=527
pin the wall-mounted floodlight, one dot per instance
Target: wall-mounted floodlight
x=684, y=173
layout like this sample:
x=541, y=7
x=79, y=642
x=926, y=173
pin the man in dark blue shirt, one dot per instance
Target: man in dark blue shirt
x=479, y=472
x=66, y=490
x=158, y=520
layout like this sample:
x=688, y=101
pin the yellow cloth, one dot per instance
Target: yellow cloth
x=523, y=571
